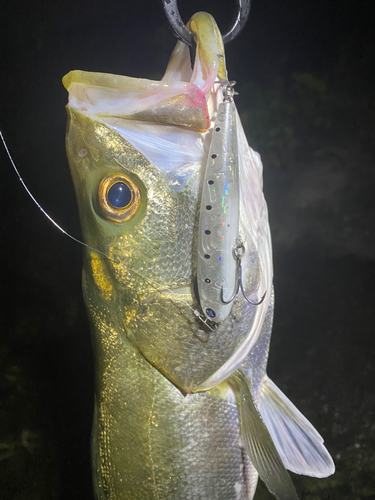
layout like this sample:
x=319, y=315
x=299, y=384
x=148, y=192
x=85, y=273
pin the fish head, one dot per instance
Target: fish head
x=136, y=149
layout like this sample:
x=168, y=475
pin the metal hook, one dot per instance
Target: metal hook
x=238, y=253
x=228, y=91
x=186, y=36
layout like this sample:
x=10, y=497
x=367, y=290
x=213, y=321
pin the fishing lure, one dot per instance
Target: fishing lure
x=220, y=247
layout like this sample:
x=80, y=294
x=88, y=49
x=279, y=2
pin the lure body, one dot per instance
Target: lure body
x=219, y=216
x=178, y=402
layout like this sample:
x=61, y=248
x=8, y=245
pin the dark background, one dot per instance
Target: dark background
x=305, y=73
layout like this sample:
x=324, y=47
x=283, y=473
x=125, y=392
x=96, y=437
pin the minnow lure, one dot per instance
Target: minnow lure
x=220, y=248
x=219, y=213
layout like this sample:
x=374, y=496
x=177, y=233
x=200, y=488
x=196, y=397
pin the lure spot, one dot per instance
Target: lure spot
x=210, y=313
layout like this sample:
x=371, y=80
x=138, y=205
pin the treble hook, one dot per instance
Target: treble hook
x=186, y=36
x=238, y=253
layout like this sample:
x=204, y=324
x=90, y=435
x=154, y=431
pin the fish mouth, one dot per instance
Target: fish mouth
x=179, y=98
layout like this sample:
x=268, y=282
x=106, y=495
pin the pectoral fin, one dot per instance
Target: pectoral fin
x=258, y=443
x=299, y=445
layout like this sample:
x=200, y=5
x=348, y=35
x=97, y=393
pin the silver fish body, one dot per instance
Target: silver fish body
x=178, y=400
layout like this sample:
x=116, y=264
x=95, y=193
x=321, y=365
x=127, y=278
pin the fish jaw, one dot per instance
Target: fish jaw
x=209, y=62
x=105, y=95
x=180, y=98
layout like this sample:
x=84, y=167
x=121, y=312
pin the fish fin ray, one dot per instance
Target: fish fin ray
x=298, y=443
x=258, y=443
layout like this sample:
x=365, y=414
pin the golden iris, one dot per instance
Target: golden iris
x=119, y=197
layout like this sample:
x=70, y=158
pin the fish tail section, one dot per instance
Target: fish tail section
x=298, y=443
x=258, y=443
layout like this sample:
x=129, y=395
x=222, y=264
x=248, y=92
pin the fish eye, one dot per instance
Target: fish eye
x=119, y=197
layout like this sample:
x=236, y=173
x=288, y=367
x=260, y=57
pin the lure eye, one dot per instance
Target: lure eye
x=119, y=198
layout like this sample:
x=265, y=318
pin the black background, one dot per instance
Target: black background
x=305, y=73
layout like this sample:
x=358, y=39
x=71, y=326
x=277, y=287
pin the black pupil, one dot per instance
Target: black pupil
x=119, y=195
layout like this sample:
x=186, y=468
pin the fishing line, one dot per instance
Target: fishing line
x=38, y=205
x=195, y=311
